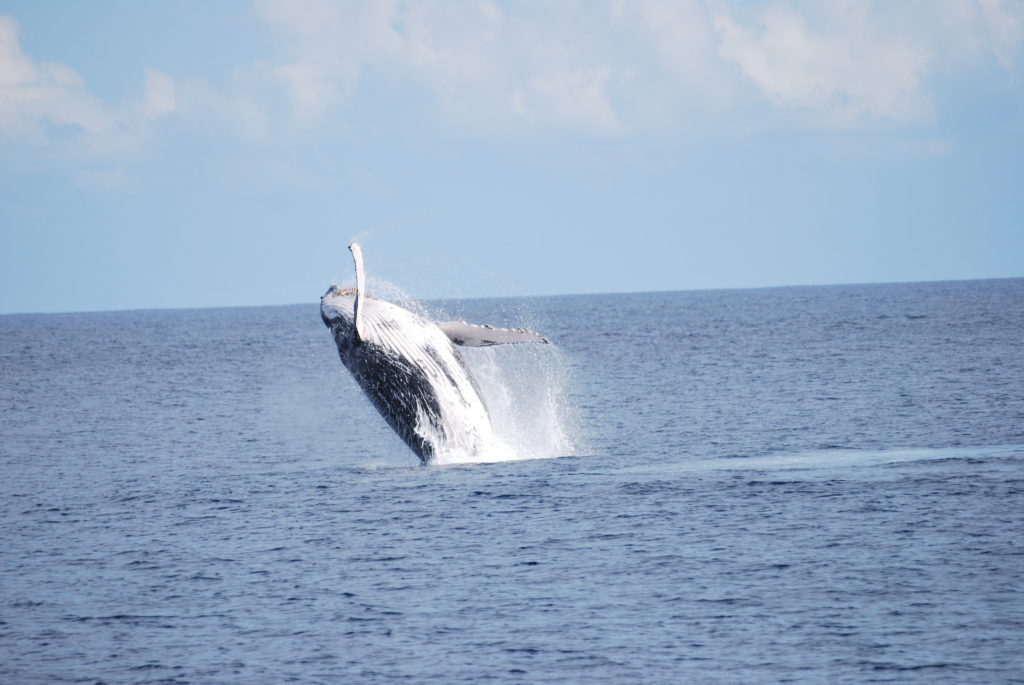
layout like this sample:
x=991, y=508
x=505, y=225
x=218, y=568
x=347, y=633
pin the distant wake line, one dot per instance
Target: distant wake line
x=842, y=458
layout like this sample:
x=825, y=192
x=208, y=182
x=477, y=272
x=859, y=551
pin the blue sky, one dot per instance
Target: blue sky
x=193, y=154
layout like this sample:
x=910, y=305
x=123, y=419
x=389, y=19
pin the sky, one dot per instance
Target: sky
x=167, y=154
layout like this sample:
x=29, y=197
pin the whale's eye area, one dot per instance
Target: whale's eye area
x=339, y=292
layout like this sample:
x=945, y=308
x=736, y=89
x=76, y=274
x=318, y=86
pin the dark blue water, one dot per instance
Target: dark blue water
x=787, y=485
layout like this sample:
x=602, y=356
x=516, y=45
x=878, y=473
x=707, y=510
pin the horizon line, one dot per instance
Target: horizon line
x=521, y=297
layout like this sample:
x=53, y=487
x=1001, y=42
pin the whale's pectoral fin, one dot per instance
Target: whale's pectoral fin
x=471, y=335
x=357, y=308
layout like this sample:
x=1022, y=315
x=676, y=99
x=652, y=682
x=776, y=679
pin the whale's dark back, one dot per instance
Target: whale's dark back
x=401, y=392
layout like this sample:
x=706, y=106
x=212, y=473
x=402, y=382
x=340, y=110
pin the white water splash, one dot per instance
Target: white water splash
x=525, y=388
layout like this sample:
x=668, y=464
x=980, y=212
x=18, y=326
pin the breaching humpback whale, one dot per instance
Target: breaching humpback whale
x=410, y=370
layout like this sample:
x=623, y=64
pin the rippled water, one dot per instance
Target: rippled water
x=799, y=484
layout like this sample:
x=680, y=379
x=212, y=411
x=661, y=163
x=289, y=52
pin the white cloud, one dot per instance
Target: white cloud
x=844, y=67
x=33, y=95
x=331, y=46
x=611, y=68
x=623, y=66
x=673, y=42
x=485, y=67
x=159, y=96
x=1002, y=22
x=47, y=104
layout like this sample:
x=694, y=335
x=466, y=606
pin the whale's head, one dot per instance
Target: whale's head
x=337, y=309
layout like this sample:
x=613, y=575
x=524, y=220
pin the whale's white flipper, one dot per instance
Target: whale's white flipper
x=472, y=335
x=357, y=255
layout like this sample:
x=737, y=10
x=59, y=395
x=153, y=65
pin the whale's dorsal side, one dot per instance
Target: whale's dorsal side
x=357, y=314
x=472, y=335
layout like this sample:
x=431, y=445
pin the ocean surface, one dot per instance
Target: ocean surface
x=805, y=485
